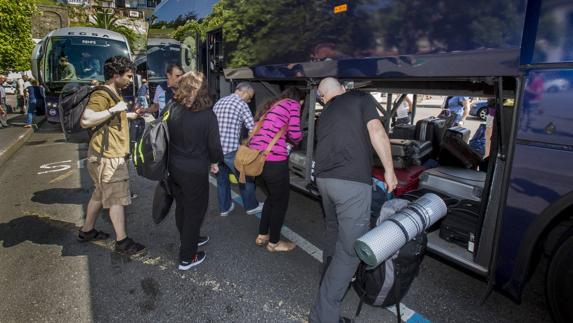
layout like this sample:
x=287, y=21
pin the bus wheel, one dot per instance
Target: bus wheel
x=559, y=282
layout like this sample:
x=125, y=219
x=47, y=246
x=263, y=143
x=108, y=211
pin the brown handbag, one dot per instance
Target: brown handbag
x=250, y=162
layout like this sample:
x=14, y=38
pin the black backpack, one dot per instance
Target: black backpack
x=151, y=149
x=73, y=101
x=388, y=283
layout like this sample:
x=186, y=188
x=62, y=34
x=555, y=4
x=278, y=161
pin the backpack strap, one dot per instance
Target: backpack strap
x=397, y=291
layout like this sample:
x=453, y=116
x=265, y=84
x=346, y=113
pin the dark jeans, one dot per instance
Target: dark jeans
x=191, y=191
x=277, y=183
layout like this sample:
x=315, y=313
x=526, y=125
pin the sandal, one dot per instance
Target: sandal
x=281, y=246
x=92, y=235
x=129, y=247
x=262, y=239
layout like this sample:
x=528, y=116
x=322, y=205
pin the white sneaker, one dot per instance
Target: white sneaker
x=229, y=210
x=256, y=210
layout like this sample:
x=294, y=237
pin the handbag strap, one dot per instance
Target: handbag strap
x=275, y=139
x=259, y=124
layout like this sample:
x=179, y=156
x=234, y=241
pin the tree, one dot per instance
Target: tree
x=107, y=20
x=16, y=43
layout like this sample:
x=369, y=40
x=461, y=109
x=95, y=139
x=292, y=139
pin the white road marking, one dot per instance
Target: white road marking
x=55, y=167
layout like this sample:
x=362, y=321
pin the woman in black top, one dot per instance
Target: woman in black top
x=194, y=147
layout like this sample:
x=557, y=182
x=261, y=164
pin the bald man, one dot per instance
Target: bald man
x=348, y=129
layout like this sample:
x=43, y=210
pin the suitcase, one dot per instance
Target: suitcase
x=431, y=129
x=403, y=131
x=422, y=152
x=460, y=183
x=461, y=132
x=402, y=147
x=408, y=178
x=456, y=152
x=461, y=224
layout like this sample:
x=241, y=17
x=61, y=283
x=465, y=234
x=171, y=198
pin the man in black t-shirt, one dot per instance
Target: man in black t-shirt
x=348, y=129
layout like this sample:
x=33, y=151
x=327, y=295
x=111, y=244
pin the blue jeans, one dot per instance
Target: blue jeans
x=224, y=185
x=31, y=110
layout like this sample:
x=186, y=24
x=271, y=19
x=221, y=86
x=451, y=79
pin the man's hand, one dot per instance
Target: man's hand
x=390, y=180
x=214, y=168
x=381, y=145
x=120, y=107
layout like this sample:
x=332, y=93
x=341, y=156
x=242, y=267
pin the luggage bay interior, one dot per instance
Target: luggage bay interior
x=424, y=163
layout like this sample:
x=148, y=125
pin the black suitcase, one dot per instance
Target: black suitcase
x=403, y=131
x=456, y=152
x=422, y=152
x=402, y=147
x=461, y=132
x=431, y=129
x=461, y=223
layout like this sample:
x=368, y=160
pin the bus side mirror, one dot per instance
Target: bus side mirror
x=136, y=83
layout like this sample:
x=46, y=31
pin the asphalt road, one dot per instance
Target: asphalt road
x=46, y=275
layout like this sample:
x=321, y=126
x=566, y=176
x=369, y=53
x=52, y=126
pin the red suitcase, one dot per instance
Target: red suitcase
x=408, y=178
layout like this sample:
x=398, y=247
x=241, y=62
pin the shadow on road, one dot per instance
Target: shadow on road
x=36, y=229
x=77, y=196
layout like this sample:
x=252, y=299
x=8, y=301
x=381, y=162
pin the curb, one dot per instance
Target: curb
x=14, y=146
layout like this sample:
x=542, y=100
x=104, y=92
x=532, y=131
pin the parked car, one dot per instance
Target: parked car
x=556, y=85
x=479, y=109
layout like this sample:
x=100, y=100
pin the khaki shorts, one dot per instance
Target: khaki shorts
x=111, y=180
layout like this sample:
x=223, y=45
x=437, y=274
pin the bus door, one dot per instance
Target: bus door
x=214, y=60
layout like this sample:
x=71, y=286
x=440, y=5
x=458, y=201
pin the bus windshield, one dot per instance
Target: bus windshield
x=159, y=57
x=79, y=58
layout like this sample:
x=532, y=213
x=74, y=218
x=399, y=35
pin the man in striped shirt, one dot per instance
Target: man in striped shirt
x=232, y=114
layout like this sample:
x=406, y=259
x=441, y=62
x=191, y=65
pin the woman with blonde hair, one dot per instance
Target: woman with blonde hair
x=194, y=148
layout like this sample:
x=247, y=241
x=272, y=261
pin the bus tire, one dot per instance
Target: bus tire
x=559, y=282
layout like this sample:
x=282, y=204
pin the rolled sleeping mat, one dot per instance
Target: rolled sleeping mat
x=388, y=237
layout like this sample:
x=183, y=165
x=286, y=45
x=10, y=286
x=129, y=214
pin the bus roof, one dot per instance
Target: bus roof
x=88, y=32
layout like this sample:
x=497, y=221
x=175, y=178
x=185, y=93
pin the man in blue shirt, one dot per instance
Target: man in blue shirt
x=460, y=107
x=164, y=91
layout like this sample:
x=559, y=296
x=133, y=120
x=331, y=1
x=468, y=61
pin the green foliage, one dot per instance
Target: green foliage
x=107, y=20
x=16, y=43
x=278, y=31
x=48, y=2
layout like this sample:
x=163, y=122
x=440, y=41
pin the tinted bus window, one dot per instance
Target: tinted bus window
x=554, y=37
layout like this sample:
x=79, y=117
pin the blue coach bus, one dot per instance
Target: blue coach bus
x=86, y=49
x=493, y=49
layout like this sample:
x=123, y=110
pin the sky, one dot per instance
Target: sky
x=171, y=9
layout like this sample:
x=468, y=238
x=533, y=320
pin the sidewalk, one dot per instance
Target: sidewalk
x=13, y=137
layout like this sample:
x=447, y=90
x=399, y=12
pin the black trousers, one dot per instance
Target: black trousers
x=191, y=191
x=277, y=183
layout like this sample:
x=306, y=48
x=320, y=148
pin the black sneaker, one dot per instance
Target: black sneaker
x=129, y=247
x=199, y=258
x=203, y=241
x=345, y=320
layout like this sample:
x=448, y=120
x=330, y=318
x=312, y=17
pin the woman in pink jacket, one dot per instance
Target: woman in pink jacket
x=282, y=116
